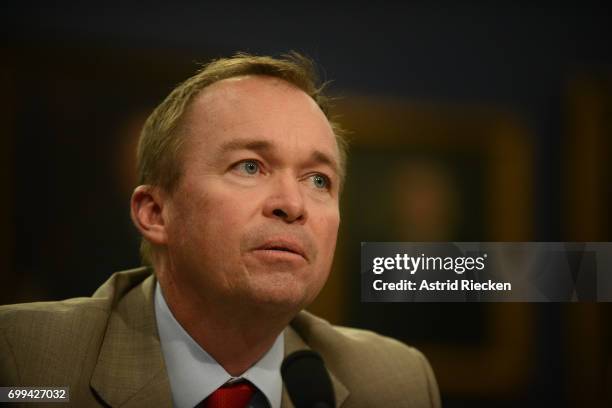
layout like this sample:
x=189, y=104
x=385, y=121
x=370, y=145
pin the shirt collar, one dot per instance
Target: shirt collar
x=194, y=374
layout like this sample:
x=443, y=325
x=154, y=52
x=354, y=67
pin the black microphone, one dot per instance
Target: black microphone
x=307, y=380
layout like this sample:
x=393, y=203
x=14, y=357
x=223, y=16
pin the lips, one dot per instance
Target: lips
x=283, y=245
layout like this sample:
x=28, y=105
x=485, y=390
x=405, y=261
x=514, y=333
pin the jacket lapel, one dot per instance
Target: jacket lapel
x=293, y=342
x=130, y=370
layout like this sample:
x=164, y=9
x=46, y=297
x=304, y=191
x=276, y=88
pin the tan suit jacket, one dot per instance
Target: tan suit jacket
x=106, y=349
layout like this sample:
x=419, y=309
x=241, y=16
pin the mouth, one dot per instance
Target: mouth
x=282, y=247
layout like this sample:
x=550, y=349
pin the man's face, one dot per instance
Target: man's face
x=254, y=218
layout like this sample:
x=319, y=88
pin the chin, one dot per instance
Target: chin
x=285, y=293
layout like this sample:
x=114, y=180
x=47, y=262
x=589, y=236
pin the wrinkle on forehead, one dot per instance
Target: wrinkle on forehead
x=243, y=90
x=239, y=103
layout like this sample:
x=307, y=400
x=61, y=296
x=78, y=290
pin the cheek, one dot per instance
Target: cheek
x=326, y=233
x=214, y=221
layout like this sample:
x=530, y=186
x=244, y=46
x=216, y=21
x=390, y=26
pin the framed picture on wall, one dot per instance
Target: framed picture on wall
x=419, y=173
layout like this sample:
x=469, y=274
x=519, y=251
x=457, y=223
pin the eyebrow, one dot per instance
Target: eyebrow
x=322, y=158
x=246, y=144
x=263, y=146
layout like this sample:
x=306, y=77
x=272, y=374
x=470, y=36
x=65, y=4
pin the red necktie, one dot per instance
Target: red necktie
x=235, y=395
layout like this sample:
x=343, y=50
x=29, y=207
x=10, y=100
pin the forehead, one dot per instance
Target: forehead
x=258, y=107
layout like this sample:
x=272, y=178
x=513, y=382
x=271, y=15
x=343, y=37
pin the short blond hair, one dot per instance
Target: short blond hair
x=160, y=143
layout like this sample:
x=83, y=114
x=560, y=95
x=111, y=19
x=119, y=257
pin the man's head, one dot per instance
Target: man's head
x=241, y=172
x=161, y=141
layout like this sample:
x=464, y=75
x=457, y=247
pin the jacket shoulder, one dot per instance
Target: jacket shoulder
x=54, y=343
x=373, y=367
x=37, y=337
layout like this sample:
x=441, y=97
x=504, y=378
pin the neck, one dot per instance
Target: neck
x=235, y=335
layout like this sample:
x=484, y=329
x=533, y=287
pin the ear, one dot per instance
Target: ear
x=146, y=211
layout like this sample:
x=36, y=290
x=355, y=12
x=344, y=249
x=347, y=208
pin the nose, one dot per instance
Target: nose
x=285, y=201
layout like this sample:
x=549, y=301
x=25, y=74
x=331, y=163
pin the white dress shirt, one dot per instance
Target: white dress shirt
x=194, y=374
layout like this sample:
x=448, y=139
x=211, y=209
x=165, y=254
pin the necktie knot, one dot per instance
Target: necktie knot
x=234, y=395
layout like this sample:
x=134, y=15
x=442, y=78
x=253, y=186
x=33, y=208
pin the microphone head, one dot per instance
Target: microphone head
x=307, y=380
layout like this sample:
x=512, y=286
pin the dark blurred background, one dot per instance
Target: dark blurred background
x=470, y=123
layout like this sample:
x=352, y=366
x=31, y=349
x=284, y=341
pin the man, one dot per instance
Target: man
x=241, y=172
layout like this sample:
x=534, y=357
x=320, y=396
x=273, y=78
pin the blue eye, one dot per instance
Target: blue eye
x=320, y=181
x=250, y=167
